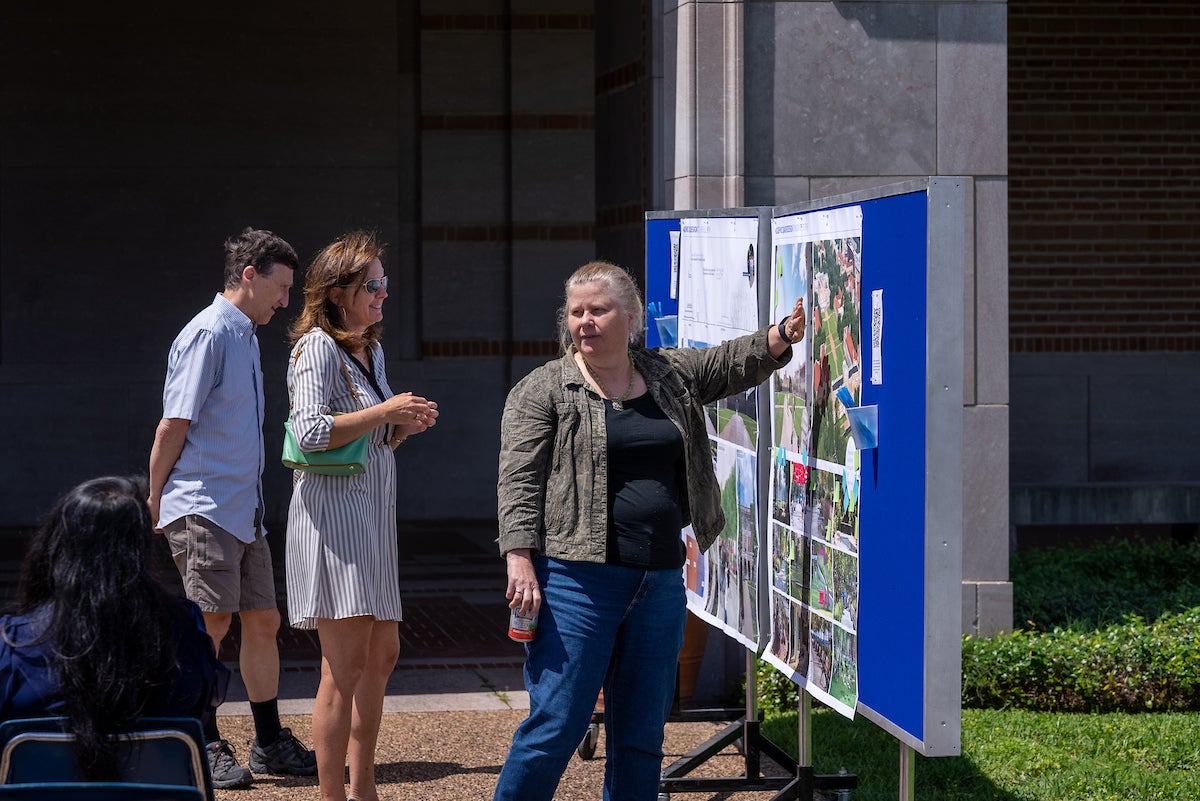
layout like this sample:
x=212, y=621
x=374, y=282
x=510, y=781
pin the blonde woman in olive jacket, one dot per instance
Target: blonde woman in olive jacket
x=604, y=457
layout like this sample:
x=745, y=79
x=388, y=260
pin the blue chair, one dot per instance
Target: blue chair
x=98, y=791
x=156, y=751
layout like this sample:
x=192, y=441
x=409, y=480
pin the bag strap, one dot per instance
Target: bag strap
x=342, y=356
x=346, y=373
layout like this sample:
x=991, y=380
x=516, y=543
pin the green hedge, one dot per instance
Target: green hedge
x=1089, y=588
x=1110, y=627
x=1107, y=628
x=776, y=693
x=1130, y=667
x=1134, y=666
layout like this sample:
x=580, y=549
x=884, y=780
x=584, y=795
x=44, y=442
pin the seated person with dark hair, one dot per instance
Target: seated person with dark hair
x=95, y=638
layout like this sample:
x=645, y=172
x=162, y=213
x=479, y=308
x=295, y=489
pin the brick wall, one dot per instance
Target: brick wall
x=1104, y=168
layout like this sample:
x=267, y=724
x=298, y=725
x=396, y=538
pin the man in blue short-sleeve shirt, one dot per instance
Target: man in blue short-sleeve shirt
x=206, y=469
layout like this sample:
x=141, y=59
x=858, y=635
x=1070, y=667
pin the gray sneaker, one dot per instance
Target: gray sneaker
x=287, y=756
x=226, y=772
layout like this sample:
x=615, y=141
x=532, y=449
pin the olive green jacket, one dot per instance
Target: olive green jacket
x=553, y=481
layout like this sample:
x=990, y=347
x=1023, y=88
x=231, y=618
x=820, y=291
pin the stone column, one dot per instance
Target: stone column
x=707, y=75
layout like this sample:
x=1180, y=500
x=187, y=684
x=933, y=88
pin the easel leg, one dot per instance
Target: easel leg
x=799, y=787
x=908, y=773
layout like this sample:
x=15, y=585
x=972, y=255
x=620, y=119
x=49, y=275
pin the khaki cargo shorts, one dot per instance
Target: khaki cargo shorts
x=220, y=572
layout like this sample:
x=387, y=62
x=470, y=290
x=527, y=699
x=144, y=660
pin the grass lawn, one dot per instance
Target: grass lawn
x=1017, y=756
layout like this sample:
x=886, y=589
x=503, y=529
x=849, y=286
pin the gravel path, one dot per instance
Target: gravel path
x=431, y=756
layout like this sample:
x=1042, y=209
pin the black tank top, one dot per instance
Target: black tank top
x=645, y=486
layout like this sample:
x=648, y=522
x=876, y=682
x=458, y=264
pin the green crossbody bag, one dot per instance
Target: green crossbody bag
x=346, y=460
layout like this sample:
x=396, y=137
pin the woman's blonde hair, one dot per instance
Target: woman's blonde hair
x=619, y=286
x=343, y=263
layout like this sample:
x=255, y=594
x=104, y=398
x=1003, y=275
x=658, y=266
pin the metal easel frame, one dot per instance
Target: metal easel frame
x=801, y=784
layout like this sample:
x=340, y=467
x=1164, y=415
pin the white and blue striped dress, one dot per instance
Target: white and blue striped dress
x=341, y=533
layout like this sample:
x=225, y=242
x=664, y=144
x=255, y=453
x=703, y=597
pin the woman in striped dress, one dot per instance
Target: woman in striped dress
x=342, y=572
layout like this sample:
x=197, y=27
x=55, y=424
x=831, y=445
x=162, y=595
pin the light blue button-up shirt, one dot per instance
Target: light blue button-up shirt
x=214, y=379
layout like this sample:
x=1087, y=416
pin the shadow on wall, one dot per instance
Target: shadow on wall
x=925, y=22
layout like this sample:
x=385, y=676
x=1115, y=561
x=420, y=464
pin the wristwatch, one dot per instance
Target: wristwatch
x=783, y=331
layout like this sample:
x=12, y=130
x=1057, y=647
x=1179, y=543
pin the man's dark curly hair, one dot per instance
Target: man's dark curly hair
x=254, y=246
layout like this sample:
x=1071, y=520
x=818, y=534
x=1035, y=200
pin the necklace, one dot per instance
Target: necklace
x=618, y=403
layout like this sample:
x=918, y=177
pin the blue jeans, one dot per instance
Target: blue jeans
x=599, y=626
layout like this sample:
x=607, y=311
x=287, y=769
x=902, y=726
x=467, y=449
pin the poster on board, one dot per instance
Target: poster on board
x=719, y=285
x=813, y=542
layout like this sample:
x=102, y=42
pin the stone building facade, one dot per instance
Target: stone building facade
x=498, y=144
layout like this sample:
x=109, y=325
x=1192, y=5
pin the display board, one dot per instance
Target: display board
x=709, y=289
x=858, y=490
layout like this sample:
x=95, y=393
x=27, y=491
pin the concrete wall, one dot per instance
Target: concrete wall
x=465, y=131
x=1105, y=324
x=1102, y=440
x=133, y=141
x=507, y=161
x=774, y=103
